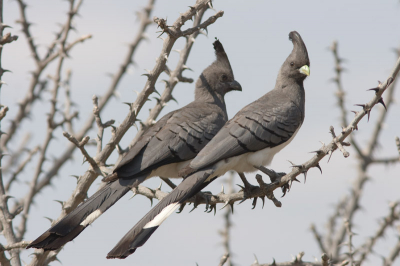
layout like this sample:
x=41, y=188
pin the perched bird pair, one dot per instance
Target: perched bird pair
x=246, y=142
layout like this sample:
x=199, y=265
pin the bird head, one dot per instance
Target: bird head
x=218, y=77
x=297, y=65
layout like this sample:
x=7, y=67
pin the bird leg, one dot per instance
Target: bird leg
x=247, y=189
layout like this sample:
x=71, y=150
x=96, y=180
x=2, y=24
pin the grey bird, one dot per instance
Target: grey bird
x=246, y=142
x=163, y=150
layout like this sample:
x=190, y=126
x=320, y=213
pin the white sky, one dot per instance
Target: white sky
x=255, y=36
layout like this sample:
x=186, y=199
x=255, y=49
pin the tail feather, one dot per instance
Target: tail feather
x=142, y=231
x=75, y=222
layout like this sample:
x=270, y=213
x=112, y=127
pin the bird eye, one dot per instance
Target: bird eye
x=224, y=77
x=291, y=64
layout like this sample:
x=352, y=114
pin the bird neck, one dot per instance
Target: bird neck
x=204, y=93
x=294, y=90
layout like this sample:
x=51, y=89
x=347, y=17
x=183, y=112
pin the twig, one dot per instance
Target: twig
x=225, y=233
x=297, y=261
x=382, y=116
x=3, y=112
x=15, y=155
x=68, y=102
x=21, y=167
x=388, y=221
x=8, y=38
x=350, y=242
x=318, y=238
x=19, y=245
x=393, y=254
x=339, y=144
x=340, y=91
x=81, y=146
x=224, y=258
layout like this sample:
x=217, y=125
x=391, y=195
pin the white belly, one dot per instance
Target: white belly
x=169, y=170
x=245, y=163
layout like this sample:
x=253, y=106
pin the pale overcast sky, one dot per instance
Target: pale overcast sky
x=255, y=37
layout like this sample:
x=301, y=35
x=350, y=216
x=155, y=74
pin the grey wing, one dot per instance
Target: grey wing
x=185, y=133
x=251, y=130
x=143, y=140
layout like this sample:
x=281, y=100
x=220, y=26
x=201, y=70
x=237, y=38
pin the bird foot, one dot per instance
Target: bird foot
x=201, y=197
x=247, y=188
x=273, y=176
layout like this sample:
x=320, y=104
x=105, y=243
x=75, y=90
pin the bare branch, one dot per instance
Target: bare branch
x=297, y=261
x=382, y=116
x=3, y=112
x=15, y=155
x=6, y=218
x=81, y=146
x=393, y=254
x=26, y=104
x=8, y=39
x=21, y=167
x=68, y=102
x=19, y=245
x=100, y=125
x=318, y=238
x=224, y=258
x=340, y=94
x=25, y=28
x=387, y=221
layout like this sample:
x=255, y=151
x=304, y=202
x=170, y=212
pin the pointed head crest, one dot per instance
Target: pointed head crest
x=222, y=57
x=299, y=51
x=220, y=66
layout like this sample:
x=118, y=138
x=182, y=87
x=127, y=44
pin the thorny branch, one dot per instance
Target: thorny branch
x=51, y=124
x=340, y=93
x=6, y=217
x=37, y=86
x=394, y=215
x=225, y=233
x=348, y=206
x=297, y=261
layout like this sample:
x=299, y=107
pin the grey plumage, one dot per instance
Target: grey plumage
x=162, y=150
x=249, y=140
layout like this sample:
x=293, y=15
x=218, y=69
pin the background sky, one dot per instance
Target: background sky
x=255, y=37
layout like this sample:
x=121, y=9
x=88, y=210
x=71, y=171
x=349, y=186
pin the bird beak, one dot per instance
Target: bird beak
x=305, y=70
x=235, y=86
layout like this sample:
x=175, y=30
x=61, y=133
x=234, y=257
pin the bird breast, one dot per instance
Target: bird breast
x=245, y=163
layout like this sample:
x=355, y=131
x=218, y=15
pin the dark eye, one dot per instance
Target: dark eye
x=224, y=77
x=291, y=64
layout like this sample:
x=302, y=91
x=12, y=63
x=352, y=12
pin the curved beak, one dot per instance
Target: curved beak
x=234, y=86
x=305, y=70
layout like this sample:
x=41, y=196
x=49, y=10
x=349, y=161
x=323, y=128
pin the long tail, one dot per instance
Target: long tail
x=142, y=231
x=75, y=222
